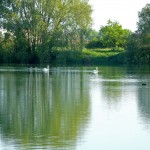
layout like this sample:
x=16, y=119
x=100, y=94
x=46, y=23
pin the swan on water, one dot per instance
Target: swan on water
x=46, y=69
x=95, y=71
x=30, y=69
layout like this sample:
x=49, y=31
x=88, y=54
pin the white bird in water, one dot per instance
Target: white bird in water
x=46, y=69
x=95, y=71
x=30, y=69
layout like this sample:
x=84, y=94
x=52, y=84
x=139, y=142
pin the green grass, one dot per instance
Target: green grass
x=90, y=56
x=100, y=52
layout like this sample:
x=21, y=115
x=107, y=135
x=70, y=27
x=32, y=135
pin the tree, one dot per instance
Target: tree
x=113, y=35
x=39, y=24
x=1, y=48
x=139, y=43
x=92, y=38
x=6, y=46
x=144, y=24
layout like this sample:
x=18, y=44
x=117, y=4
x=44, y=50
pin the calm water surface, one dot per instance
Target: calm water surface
x=70, y=108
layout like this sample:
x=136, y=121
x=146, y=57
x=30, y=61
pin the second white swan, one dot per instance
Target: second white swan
x=95, y=71
x=46, y=69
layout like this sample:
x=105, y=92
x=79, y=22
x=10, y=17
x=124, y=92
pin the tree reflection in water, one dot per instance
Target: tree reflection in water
x=144, y=105
x=43, y=110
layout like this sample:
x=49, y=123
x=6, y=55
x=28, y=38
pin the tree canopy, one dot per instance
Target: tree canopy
x=139, y=43
x=42, y=24
x=113, y=35
x=144, y=24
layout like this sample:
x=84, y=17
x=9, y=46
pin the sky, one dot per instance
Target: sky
x=123, y=11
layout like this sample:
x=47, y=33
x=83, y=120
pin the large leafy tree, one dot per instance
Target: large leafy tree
x=113, y=35
x=39, y=24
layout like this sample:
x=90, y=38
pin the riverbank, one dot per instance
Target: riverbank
x=70, y=57
x=90, y=56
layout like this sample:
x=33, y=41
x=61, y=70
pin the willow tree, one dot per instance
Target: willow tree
x=39, y=24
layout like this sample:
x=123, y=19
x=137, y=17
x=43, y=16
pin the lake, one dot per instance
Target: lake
x=70, y=108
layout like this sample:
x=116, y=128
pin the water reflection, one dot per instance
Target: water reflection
x=144, y=101
x=44, y=110
x=72, y=108
x=113, y=81
x=142, y=74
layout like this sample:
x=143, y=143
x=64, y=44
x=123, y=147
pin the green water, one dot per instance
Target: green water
x=70, y=108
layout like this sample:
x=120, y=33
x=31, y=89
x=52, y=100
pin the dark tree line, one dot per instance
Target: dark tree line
x=139, y=43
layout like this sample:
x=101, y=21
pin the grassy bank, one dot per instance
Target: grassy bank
x=90, y=56
x=66, y=57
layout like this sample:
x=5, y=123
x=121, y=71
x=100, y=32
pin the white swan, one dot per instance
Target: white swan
x=30, y=69
x=46, y=69
x=95, y=71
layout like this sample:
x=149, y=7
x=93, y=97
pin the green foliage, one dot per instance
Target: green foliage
x=93, y=40
x=1, y=49
x=100, y=52
x=139, y=43
x=92, y=34
x=67, y=56
x=6, y=47
x=38, y=26
x=144, y=19
x=144, y=25
x=95, y=43
x=140, y=56
x=113, y=35
x=110, y=36
x=102, y=56
x=86, y=56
